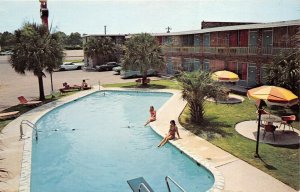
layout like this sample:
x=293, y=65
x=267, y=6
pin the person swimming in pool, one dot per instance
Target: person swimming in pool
x=171, y=135
x=152, y=115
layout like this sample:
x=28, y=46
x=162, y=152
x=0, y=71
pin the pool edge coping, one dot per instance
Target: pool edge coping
x=25, y=175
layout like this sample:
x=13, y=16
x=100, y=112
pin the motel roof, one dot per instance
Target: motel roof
x=214, y=29
x=235, y=27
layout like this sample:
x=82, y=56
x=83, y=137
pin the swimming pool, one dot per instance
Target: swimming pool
x=99, y=142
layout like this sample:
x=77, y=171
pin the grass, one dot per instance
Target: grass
x=218, y=128
x=154, y=84
x=23, y=109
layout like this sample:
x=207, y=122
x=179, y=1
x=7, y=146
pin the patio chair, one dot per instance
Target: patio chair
x=269, y=128
x=67, y=88
x=9, y=115
x=287, y=120
x=24, y=101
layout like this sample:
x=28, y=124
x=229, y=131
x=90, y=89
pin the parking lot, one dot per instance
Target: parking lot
x=13, y=84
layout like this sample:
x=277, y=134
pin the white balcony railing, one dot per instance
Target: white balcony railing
x=225, y=50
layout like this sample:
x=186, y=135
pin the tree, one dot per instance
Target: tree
x=142, y=53
x=100, y=50
x=196, y=86
x=284, y=71
x=7, y=40
x=74, y=39
x=63, y=37
x=36, y=49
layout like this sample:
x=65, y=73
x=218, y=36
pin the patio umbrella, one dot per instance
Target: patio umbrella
x=271, y=95
x=225, y=76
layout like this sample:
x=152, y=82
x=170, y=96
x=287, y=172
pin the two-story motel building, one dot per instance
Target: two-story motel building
x=243, y=48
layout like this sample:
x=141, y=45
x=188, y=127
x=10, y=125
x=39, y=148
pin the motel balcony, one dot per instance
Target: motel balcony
x=228, y=51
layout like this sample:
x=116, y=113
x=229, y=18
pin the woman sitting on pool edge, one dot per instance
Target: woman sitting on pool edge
x=171, y=135
x=152, y=115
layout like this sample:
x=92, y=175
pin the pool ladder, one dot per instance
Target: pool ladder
x=30, y=124
x=174, y=182
x=140, y=185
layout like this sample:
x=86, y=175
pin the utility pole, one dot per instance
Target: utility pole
x=105, y=29
x=168, y=29
x=44, y=17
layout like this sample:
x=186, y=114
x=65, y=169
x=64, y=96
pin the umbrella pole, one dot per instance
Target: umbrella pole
x=258, y=129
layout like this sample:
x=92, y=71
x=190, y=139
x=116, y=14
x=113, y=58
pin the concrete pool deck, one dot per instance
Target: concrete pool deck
x=231, y=173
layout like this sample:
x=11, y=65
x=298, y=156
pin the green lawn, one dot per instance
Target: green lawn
x=154, y=84
x=218, y=128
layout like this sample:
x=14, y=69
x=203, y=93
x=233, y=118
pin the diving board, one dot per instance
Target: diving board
x=139, y=185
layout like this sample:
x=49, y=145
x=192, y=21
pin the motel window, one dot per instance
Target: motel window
x=253, y=38
x=197, y=40
x=206, y=40
x=187, y=64
x=267, y=38
x=206, y=65
x=196, y=64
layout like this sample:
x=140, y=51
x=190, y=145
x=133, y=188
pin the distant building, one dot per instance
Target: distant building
x=243, y=48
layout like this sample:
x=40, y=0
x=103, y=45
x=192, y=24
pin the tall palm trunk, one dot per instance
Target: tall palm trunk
x=41, y=87
x=144, y=79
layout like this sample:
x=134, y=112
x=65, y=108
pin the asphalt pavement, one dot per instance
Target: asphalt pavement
x=13, y=84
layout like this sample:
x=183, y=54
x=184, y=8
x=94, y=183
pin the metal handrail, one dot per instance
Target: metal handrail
x=174, y=182
x=30, y=124
x=144, y=186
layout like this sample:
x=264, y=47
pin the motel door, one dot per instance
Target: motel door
x=196, y=64
x=251, y=75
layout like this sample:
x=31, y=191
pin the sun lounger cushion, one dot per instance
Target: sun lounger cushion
x=9, y=115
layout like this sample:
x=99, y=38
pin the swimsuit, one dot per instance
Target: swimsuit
x=172, y=132
x=153, y=114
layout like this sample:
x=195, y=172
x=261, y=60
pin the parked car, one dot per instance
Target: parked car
x=70, y=66
x=107, y=66
x=6, y=53
x=117, y=69
x=133, y=74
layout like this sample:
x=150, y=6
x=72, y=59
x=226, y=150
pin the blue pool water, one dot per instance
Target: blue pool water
x=102, y=153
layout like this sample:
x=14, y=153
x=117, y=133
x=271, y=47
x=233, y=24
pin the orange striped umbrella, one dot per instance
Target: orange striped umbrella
x=225, y=76
x=273, y=95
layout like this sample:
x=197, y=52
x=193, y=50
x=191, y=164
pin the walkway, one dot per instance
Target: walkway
x=249, y=129
x=238, y=175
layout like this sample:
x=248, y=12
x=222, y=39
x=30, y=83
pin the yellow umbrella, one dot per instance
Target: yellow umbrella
x=272, y=95
x=225, y=76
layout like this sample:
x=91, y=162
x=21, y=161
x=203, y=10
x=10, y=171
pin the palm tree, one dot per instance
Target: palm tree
x=196, y=86
x=36, y=50
x=100, y=50
x=142, y=53
x=284, y=71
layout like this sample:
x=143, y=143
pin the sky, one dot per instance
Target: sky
x=135, y=16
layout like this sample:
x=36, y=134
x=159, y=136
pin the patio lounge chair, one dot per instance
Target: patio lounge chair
x=67, y=88
x=24, y=101
x=9, y=115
